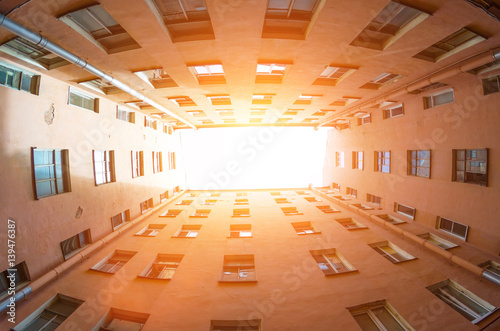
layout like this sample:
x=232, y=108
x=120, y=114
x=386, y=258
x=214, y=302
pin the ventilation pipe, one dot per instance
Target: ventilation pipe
x=486, y=274
x=463, y=66
x=36, y=38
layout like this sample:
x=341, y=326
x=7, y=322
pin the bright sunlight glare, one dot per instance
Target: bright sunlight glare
x=253, y=157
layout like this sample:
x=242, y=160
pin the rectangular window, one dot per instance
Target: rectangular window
x=391, y=252
x=305, y=228
x=439, y=99
x=394, y=111
x=210, y=202
x=137, y=164
x=182, y=101
x=13, y=77
x=404, y=210
x=79, y=99
x=383, y=161
x=351, y=192
x=240, y=231
x=119, y=319
x=379, y=315
x=50, y=171
x=390, y=219
x=462, y=300
x=236, y=325
x=241, y=201
x=208, y=73
x=238, y=268
x=275, y=193
x=344, y=101
x=366, y=119
x=419, y=163
x=454, y=228
x=157, y=162
x=491, y=266
x=120, y=219
x=470, y=166
x=164, y=196
x=163, y=267
x=171, y=161
x=262, y=99
x=336, y=187
x=270, y=73
x=185, y=20
x=350, y=224
x=438, y=241
x=22, y=277
x=357, y=160
x=171, y=213
x=339, y=159
x=113, y=262
x=282, y=200
x=491, y=85
x=241, y=212
x=150, y=123
x=219, y=100
x=51, y=314
x=373, y=199
x=100, y=86
x=156, y=78
x=389, y=25
x=73, y=245
x=306, y=99
x=151, y=230
x=290, y=211
x=188, y=231
x=454, y=43
x=331, y=262
x=201, y=213
x=311, y=199
x=381, y=81
x=104, y=167
x=333, y=75
x=97, y=25
x=361, y=206
x=327, y=209
x=146, y=205
x=185, y=202
x=125, y=115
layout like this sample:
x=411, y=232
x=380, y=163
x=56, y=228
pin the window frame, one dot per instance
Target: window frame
x=18, y=75
x=239, y=228
x=455, y=166
x=22, y=278
x=332, y=268
x=430, y=237
x=367, y=309
x=418, y=160
x=190, y=229
x=169, y=262
x=357, y=161
x=397, y=210
x=379, y=248
x=243, y=263
x=114, y=256
x=65, y=169
x=108, y=158
x=124, y=218
x=146, y=205
x=154, y=227
x=339, y=159
x=380, y=160
x=137, y=159
x=305, y=228
x=83, y=95
x=347, y=221
x=430, y=99
x=389, y=112
x=157, y=162
x=439, y=224
x=84, y=239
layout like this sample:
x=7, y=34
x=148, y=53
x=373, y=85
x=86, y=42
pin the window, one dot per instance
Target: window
x=470, y=166
x=125, y=115
x=462, y=300
x=262, y=99
x=339, y=159
x=373, y=199
x=215, y=195
x=454, y=43
x=79, y=99
x=288, y=19
x=331, y=262
x=305, y=228
x=120, y=219
x=282, y=200
x=351, y=192
x=350, y=224
x=492, y=267
x=104, y=166
x=22, y=277
x=333, y=75
x=188, y=231
x=390, y=219
x=157, y=162
x=171, y=213
x=290, y=211
x=381, y=81
x=146, y=205
x=210, y=202
x=73, y=245
x=344, y=101
x=240, y=231
x=156, y=78
x=238, y=268
x=113, y=262
x=171, y=161
x=240, y=325
x=405, y=210
x=439, y=99
x=219, y=100
x=201, y=213
x=378, y=315
x=150, y=123
x=270, y=73
x=419, y=163
x=388, y=26
x=32, y=53
x=327, y=209
x=438, y=241
x=306, y=99
x=454, y=228
x=366, y=119
x=361, y=206
x=383, y=163
x=163, y=267
x=185, y=20
x=14, y=77
x=391, y=252
x=241, y=201
x=394, y=111
x=336, y=186
x=51, y=314
x=184, y=202
x=164, y=196
x=50, y=171
x=311, y=199
x=137, y=164
x=241, y=212
x=95, y=24
x=208, y=74
x=275, y=193
x=357, y=160
x=119, y=319
x=100, y=86
x=491, y=85
x=151, y=230
x=182, y=101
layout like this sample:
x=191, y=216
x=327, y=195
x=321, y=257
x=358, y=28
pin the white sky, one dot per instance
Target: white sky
x=253, y=157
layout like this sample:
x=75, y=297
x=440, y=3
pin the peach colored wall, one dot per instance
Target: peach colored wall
x=43, y=224
x=471, y=122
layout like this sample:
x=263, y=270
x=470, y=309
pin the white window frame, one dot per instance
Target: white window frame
x=438, y=226
x=430, y=237
x=367, y=309
x=429, y=100
x=396, y=209
x=378, y=248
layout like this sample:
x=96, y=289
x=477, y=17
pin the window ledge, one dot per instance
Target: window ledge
x=238, y=281
x=153, y=278
x=342, y=273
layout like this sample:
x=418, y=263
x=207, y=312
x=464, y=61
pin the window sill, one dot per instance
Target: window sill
x=305, y=234
x=153, y=278
x=237, y=281
x=350, y=272
x=240, y=237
